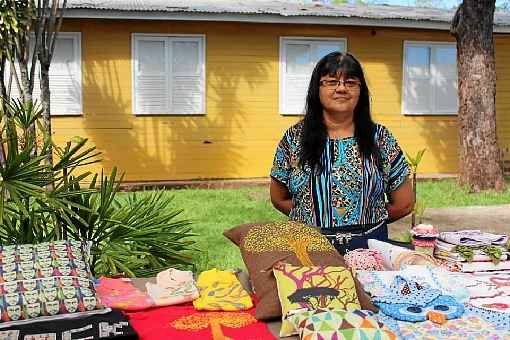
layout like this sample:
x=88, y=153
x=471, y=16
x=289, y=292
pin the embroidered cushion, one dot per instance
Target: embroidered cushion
x=309, y=288
x=264, y=245
x=45, y=279
x=326, y=324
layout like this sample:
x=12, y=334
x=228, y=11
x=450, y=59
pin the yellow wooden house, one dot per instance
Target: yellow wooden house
x=181, y=90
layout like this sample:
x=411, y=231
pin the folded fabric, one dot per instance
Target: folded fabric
x=499, y=320
x=173, y=287
x=121, y=294
x=378, y=283
x=221, y=290
x=395, y=257
x=339, y=324
x=473, y=238
x=412, y=301
x=490, y=291
x=442, y=245
x=425, y=230
x=363, y=259
x=445, y=247
x=424, y=242
x=467, y=327
x=454, y=256
x=184, y=322
x=482, y=266
x=388, y=252
x=112, y=325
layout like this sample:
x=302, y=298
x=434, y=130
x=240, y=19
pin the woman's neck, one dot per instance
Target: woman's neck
x=339, y=126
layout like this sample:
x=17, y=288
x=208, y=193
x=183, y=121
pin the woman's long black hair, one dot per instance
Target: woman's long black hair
x=314, y=134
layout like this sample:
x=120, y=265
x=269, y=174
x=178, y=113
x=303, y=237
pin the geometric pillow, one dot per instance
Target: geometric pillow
x=326, y=324
x=263, y=245
x=46, y=279
x=310, y=288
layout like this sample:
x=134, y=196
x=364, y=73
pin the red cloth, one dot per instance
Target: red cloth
x=168, y=323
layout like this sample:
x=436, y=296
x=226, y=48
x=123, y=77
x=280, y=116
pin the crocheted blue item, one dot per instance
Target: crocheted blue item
x=499, y=319
x=410, y=301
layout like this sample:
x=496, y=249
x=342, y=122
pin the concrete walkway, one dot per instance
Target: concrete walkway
x=493, y=218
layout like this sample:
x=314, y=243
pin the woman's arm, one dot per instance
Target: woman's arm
x=401, y=201
x=280, y=197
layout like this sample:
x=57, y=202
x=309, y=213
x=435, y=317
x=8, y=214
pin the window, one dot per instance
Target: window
x=298, y=57
x=65, y=77
x=168, y=74
x=430, y=78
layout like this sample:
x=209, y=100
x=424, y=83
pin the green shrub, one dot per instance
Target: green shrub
x=137, y=236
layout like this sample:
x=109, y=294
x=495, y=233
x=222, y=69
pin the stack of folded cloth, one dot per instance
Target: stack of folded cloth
x=424, y=238
x=474, y=250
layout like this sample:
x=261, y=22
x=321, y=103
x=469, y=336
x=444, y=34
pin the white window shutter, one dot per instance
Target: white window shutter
x=299, y=57
x=418, y=91
x=65, y=78
x=418, y=96
x=152, y=90
x=445, y=68
x=187, y=76
x=297, y=76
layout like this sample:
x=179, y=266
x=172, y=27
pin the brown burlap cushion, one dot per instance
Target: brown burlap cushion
x=264, y=244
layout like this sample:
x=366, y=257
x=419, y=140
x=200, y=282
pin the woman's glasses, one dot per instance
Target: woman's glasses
x=332, y=84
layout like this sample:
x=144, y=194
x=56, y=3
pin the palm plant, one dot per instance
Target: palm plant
x=136, y=235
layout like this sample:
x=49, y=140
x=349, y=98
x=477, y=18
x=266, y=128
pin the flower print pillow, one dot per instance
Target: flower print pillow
x=45, y=280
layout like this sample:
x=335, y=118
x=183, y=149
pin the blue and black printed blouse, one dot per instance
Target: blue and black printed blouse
x=347, y=192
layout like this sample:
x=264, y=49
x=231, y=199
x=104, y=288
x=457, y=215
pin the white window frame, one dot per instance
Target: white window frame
x=430, y=44
x=282, y=66
x=76, y=37
x=200, y=38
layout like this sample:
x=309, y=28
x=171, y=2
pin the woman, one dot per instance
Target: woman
x=336, y=169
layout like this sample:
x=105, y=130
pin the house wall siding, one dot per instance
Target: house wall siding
x=237, y=136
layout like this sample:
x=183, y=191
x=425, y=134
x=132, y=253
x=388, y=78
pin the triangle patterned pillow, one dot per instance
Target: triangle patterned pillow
x=338, y=324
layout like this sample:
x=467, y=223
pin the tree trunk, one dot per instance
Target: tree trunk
x=3, y=106
x=480, y=165
x=45, y=100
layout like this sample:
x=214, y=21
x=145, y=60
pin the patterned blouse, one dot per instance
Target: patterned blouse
x=355, y=188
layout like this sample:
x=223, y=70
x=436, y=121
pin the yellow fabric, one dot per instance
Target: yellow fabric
x=221, y=290
x=309, y=288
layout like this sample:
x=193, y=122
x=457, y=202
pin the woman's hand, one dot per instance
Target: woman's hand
x=401, y=201
x=280, y=197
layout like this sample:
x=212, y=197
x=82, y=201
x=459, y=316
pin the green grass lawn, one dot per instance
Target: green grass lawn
x=213, y=211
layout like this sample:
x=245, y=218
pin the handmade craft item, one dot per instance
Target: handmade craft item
x=339, y=324
x=411, y=301
x=309, y=288
x=221, y=291
x=264, y=245
x=185, y=322
x=363, y=259
x=46, y=280
x=122, y=294
x=173, y=287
